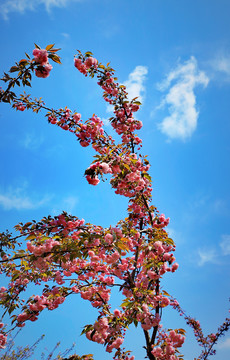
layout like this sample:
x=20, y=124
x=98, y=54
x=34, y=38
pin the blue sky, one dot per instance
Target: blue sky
x=175, y=55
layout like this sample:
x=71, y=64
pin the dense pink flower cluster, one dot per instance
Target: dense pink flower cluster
x=41, y=249
x=82, y=66
x=171, y=342
x=161, y=222
x=41, y=58
x=19, y=106
x=3, y=340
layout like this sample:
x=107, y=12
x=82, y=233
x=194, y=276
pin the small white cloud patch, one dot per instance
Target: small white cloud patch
x=225, y=244
x=135, y=83
x=220, y=68
x=181, y=100
x=31, y=141
x=206, y=256
x=18, y=199
x=224, y=344
x=67, y=204
x=20, y=6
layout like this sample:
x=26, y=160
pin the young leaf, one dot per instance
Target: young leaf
x=37, y=47
x=48, y=47
x=13, y=69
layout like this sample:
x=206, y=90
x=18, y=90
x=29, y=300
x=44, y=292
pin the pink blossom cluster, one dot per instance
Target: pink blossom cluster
x=41, y=58
x=104, y=332
x=90, y=131
x=147, y=319
x=133, y=182
x=38, y=250
x=19, y=106
x=3, y=292
x=3, y=338
x=171, y=342
x=50, y=300
x=124, y=123
x=95, y=169
x=82, y=66
x=161, y=222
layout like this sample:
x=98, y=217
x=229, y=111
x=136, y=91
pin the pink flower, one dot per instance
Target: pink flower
x=92, y=181
x=117, y=313
x=174, y=267
x=43, y=71
x=109, y=238
x=105, y=168
x=76, y=117
x=90, y=61
x=80, y=66
x=20, y=106
x=3, y=339
x=40, y=56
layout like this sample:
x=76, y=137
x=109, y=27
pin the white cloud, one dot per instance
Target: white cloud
x=65, y=35
x=68, y=204
x=220, y=68
x=31, y=141
x=223, y=64
x=135, y=83
x=225, y=244
x=109, y=108
x=18, y=199
x=224, y=344
x=206, y=256
x=181, y=100
x=8, y=6
x=106, y=122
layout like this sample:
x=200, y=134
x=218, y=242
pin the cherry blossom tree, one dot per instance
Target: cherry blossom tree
x=65, y=255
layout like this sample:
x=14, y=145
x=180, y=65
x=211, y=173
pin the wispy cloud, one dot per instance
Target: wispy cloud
x=31, y=141
x=220, y=67
x=214, y=255
x=206, y=256
x=180, y=99
x=17, y=198
x=67, y=204
x=20, y=6
x=135, y=83
x=225, y=244
x=224, y=344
